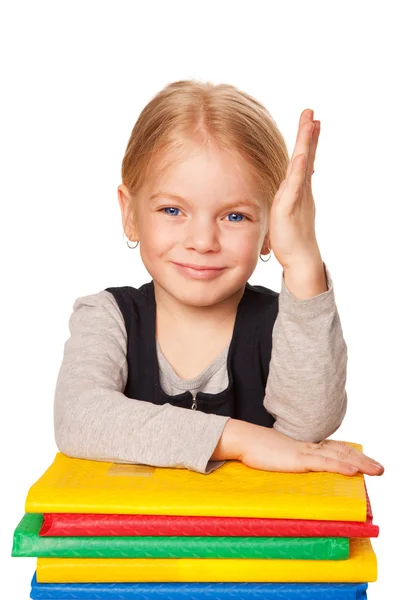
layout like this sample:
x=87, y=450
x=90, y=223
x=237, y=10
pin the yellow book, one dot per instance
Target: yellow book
x=234, y=490
x=360, y=567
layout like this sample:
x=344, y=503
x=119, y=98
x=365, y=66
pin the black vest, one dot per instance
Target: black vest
x=247, y=362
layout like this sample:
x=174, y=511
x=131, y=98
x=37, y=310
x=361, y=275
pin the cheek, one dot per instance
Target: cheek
x=157, y=236
x=244, y=245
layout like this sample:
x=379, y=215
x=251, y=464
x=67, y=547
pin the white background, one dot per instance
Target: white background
x=74, y=78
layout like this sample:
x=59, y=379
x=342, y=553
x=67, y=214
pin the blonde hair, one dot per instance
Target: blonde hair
x=191, y=110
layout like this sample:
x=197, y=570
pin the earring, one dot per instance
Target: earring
x=131, y=247
x=269, y=256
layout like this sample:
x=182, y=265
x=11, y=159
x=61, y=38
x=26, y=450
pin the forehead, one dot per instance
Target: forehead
x=196, y=172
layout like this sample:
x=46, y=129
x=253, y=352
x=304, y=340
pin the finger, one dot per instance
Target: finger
x=315, y=462
x=354, y=459
x=280, y=190
x=300, y=147
x=306, y=143
x=313, y=150
x=349, y=450
x=294, y=184
x=352, y=456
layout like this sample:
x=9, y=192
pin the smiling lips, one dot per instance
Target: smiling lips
x=199, y=267
x=199, y=272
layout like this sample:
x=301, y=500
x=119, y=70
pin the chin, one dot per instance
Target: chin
x=201, y=293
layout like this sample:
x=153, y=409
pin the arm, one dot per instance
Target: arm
x=305, y=389
x=93, y=419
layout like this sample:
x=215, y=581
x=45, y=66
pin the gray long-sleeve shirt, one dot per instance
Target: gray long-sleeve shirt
x=93, y=419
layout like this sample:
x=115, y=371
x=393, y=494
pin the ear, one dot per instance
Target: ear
x=129, y=223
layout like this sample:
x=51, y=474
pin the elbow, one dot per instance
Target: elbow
x=64, y=440
x=329, y=423
x=66, y=432
x=65, y=447
x=313, y=426
x=70, y=444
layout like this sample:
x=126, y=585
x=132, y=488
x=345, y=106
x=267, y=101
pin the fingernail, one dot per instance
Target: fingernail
x=375, y=464
x=353, y=468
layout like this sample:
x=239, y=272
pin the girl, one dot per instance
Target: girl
x=197, y=366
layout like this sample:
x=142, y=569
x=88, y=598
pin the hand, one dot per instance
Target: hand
x=292, y=235
x=266, y=449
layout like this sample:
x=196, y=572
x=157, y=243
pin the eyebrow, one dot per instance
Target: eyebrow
x=241, y=202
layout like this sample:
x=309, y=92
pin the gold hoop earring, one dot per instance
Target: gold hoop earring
x=132, y=247
x=269, y=256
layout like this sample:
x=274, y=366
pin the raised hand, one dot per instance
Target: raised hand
x=292, y=235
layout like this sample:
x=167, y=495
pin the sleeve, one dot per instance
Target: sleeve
x=305, y=389
x=93, y=419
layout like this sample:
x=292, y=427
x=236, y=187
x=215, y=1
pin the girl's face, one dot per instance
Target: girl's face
x=203, y=211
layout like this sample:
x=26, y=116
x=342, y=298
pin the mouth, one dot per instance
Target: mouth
x=199, y=272
x=199, y=267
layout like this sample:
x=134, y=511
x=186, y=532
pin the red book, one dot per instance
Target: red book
x=79, y=524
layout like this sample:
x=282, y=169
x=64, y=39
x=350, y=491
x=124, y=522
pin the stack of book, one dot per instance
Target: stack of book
x=119, y=531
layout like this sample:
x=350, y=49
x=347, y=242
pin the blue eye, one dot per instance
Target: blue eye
x=172, y=214
x=237, y=215
x=170, y=208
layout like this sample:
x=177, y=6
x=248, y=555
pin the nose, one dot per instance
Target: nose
x=202, y=234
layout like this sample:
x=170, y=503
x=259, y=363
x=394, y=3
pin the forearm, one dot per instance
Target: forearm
x=103, y=424
x=305, y=390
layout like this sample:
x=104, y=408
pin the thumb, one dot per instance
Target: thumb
x=280, y=190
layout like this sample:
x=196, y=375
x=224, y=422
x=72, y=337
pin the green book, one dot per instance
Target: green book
x=28, y=542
